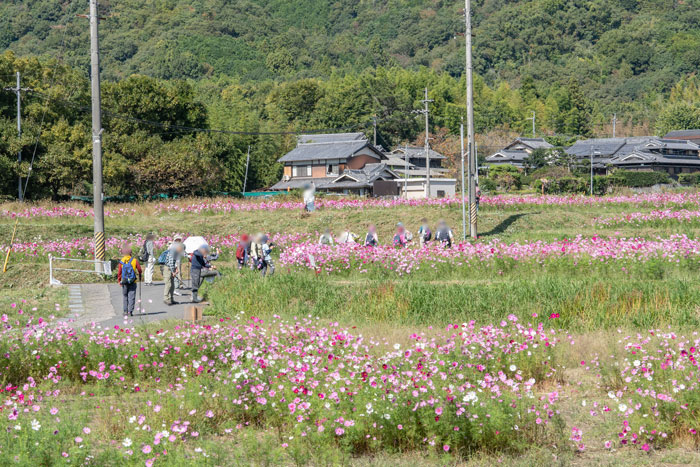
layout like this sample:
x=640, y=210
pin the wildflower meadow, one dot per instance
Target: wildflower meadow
x=566, y=333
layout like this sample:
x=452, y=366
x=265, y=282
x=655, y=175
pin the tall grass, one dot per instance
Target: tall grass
x=581, y=303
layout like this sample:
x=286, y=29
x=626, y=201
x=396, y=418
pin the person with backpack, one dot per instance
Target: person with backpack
x=201, y=269
x=243, y=251
x=126, y=276
x=266, y=263
x=424, y=233
x=171, y=258
x=371, y=238
x=147, y=256
x=444, y=235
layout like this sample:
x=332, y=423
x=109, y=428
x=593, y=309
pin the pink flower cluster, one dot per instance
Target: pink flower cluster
x=228, y=205
x=471, y=387
x=237, y=205
x=337, y=258
x=84, y=247
x=60, y=210
x=639, y=218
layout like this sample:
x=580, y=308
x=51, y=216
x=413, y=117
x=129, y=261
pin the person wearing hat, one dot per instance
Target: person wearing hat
x=201, y=268
x=126, y=276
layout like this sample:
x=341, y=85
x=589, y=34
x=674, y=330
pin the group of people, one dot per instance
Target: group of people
x=201, y=268
x=255, y=253
x=402, y=237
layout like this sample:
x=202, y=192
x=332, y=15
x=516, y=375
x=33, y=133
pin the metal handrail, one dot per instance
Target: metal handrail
x=101, y=267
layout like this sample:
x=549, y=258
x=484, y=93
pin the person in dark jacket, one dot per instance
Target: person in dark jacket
x=201, y=268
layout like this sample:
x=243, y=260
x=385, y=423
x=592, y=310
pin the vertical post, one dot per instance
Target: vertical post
x=96, y=140
x=533, y=123
x=614, y=123
x=427, y=148
x=374, y=125
x=405, y=177
x=470, y=121
x=50, y=269
x=591, y=171
x=464, y=209
x=19, y=135
x=247, y=162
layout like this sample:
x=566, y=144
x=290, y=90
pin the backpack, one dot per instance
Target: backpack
x=163, y=256
x=128, y=273
x=143, y=253
x=240, y=251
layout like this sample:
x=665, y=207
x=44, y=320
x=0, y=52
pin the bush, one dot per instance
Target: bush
x=689, y=179
x=635, y=179
x=562, y=185
x=487, y=184
x=506, y=177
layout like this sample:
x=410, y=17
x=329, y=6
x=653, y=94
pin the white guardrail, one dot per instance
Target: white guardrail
x=100, y=267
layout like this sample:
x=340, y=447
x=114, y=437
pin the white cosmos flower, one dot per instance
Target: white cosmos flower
x=622, y=408
x=127, y=442
x=513, y=368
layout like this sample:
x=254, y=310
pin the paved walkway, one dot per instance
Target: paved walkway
x=103, y=305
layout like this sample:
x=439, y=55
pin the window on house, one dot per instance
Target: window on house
x=441, y=193
x=301, y=171
x=332, y=169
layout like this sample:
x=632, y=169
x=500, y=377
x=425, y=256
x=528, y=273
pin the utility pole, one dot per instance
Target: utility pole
x=614, y=122
x=374, y=125
x=18, y=90
x=425, y=111
x=464, y=209
x=247, y=162
x=533, y=123
x=97, y=195
x=470, y=120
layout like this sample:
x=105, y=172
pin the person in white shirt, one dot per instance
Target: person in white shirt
x=310, y=197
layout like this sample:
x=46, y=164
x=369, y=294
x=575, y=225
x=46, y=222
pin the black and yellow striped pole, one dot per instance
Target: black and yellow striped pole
x=97, y=193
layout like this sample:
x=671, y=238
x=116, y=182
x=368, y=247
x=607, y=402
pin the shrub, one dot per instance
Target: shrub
x=689, y=179
x=561, y=185
x=487, y=184
x=635, y=179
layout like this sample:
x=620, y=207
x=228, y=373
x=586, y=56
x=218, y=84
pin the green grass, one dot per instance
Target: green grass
x=583, y=303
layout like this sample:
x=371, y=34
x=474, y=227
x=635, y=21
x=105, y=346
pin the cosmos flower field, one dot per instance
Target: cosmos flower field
x=253, y=386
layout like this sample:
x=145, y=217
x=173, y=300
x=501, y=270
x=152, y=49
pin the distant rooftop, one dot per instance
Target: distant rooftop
x=684, y=134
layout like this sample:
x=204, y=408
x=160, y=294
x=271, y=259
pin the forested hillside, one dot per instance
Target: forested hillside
x=287, y=65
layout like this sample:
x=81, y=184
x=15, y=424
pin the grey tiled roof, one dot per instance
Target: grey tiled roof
x=329, y=138
x=534, y=143
x=683, y=134
x=682, y=145
x=508, y=156
x=642, y=157
x=608, y=147
x=415, y=152
x=323, y=151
